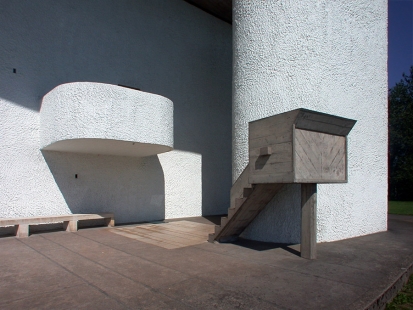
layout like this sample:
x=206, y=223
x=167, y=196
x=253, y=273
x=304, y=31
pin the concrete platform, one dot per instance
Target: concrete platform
x=97, y=268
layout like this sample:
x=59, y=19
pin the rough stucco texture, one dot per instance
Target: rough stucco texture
x=168, y=48
x=102, y=111
x=328, y=56
x=182, y=194
x=134, y=185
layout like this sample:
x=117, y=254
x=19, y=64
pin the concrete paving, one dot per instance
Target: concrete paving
x=98, y=269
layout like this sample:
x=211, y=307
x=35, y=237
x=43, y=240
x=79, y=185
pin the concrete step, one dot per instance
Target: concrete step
x=239, y=202
x=247, y=192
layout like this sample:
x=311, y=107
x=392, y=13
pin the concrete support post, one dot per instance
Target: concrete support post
x=70, y=226
x=21, y=230
x=308, y=220
x=110, y=222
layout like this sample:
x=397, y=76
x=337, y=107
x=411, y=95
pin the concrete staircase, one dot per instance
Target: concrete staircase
x=247, y=201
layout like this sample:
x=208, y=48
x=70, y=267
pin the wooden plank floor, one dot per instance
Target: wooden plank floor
x=171, y=235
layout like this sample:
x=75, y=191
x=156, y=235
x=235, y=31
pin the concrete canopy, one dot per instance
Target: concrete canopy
x=99, y=118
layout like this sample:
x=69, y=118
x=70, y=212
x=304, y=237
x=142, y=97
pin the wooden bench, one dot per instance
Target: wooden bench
x=21, y=225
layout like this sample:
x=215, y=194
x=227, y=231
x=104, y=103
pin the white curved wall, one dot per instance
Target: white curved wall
x=97, y=118
x=170, y=48
x=184, y=193
x=328, y=56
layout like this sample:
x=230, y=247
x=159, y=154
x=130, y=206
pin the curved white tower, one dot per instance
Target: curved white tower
x=329, y=57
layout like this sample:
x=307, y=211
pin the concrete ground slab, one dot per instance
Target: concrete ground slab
x=96, y=268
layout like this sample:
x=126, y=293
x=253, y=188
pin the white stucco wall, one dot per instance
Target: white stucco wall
x=328, y=56
x=168, y=48
x=182, y=194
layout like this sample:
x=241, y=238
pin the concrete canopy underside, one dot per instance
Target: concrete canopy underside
x=107, y=147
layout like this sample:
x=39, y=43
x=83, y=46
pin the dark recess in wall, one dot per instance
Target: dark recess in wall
x=221, y=9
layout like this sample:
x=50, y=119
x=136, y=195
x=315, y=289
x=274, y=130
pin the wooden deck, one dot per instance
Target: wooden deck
x=171, y=235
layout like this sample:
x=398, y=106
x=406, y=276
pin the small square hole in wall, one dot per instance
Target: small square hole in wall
x=14, y=70
x=76, y=176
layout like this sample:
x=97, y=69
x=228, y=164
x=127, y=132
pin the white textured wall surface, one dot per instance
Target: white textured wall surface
x=328, y=56
x=183, y=194
x=86, y=117
x=169, y=48
x=132, y=188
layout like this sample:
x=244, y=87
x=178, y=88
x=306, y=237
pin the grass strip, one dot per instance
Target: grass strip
x=404, y=299
x=401, y=207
